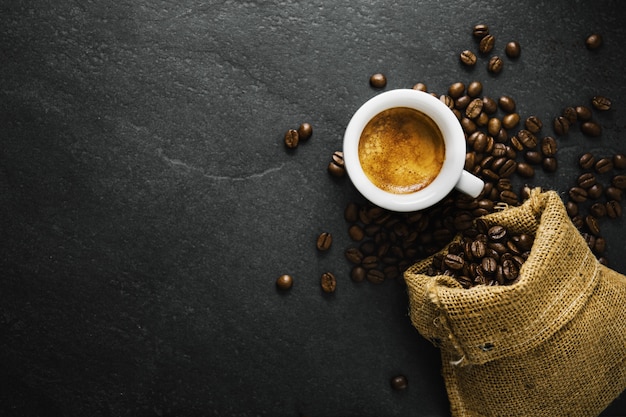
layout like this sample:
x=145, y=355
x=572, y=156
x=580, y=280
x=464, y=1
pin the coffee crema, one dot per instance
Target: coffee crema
x=401, y=150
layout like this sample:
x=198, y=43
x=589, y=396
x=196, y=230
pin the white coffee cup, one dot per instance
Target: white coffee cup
x=451, y=175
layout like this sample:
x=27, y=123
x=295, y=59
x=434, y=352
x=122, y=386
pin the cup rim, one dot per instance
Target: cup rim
x=450, y=128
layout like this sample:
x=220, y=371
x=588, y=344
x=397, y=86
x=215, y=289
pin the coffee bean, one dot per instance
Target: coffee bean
x=587, y=161
x=598, y=210
x=468, y=125
x=480, y=31
x=600, y=246
x=548, y=146
x=447, y=100
x=456, y=90
x=489, y=105
x=510, y=271
x=354, y=255
x=578, y=194
x=510, y=120
x=474, y=89
x=462, y=102
x=495, y=64
x=370, y=262
x=572, y=208
x=356, y=233
x=375, y=276
x=378, y=80
x=284, y=282
x=570, y=114
x=613, y=209
x=593, y=41
x=533, y=157
x=351, y=213
x=549, y=164
x=474, y=108
x=525, y=170
x=533, y=124
x=494, y=125
x=468, y=58
x=603, y=165
x=399, y=382
x=583, y=113
x=516, y=143
x=613, y=193
x=527, y=138
x=324, y=241
x=486, y=44
x=328, y=282
x=592, y=225
x=305, y=131
x=358, y=273
x=601, y=103
x=454, y=262
x=420, y=87
x=619, y=181
x=595, y=191
x=336, y=166
x=513, y=49
x=509, y=197
x=591, y=128
x=507, y=104
x=561, y=126
x=586, y=180
x=292, y=138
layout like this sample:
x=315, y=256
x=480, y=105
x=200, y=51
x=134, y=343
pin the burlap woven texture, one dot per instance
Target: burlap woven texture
x=552, y=344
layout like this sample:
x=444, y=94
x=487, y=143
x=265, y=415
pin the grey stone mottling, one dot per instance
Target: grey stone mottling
x=147, y=202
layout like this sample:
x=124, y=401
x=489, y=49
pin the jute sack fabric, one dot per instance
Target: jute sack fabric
x=552, y=344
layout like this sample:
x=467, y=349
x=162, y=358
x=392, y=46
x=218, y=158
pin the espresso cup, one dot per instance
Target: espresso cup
x=404, y=150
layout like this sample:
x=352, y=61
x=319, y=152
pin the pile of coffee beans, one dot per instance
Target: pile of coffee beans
x=485, y=255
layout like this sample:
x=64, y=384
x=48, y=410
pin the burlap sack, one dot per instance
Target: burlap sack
x=552, y=344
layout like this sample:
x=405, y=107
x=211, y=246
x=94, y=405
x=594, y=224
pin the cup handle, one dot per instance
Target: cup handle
x=470, y=184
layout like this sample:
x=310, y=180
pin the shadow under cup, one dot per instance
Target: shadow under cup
x=408, y=196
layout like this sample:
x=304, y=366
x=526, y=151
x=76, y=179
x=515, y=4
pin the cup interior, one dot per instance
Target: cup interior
x=451, y=131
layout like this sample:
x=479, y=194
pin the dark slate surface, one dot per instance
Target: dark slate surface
x=147, y=203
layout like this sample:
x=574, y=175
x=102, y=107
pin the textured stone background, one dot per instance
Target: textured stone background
x=147, y=203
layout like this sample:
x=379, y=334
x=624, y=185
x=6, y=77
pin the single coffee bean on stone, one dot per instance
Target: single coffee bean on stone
x=513, y=49
x=324, y=241
x=474, y=89
x=593, y=41
x=420, y=87
x=468, y=58
x=507, y=103
x=284, y=282
x=486, y=44
x=510, y=120
x=399, y=382
x=328, y=282
x=587, y=161
x=456, y=90
x=591, y=128
x=549, y=164
x=583, y=113
x=292, y=138
x=480, y=31
x=378, y=80
x=601, y=103
x=305, y=131
x=495, y=64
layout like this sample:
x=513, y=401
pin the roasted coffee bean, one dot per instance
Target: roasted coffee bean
x=474, y=89
x=593, y=41
x=351, y=212
x=510, y=120
x=525, y=241
x=292, y=138
x=480, y=31
x=370, y=262
x=456, y=90
x=358, y=273
x=462, y=102
x=613, y=193
x=510, y=271
x=516, y=143
x=324, y=241
x=578, y=194
x=592, y=225
x=420, y=87
x=468, y=58
x=454, y=262
x=493, y=126
x=598, y=210
x=619, y=161
x=354, y=255
x=507, y=104
x=587, y=161
x=586, y=180
x=495, y=64
x=474, y=108
x=561, y=126
x=468, y=125
x=600, y=246
x=337, y=167
x=489, y=265
x=525, y=170
x=572, y=208
x=328, y=282
x=578, y=221
x=482, y=119
x=490, y=106
x=513, y=49
x=507, y=168
x=570, y=114
x=375, y=276
x=391, y=272
x=595, y=191
x=509, y=197
x=497, y=233
x=601, y=103
x=284, y=282
x=549, y=164
x=378, y=80
x=548, y=146
x=619, y=181
x=591, y=128
x=478, y=249
x=603, y=165
x=305, y=131
x=583, y=113
x=399, y=382
x=356, y=233
x=486, y=44
x=533, y=124
x=447, y=100
x=613, y=209
x=527, y=138
x=533, y=157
